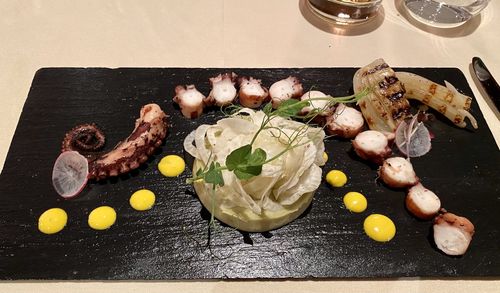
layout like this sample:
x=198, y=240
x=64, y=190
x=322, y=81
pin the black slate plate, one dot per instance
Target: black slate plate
x=170, y=241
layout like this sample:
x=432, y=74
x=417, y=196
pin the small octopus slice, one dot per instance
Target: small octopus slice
x=223, y=90
x=345, y=122
x=321, y=106
x=190, y=100
x=452, y=233
x=397, y=172
x=252, y=94
x=285, y=89
x=422, y=202
x=373, y=146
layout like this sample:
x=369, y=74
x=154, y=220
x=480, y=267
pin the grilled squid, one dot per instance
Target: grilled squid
x=444, y=99
x=223, y=90
x=345, y=122
x=190, y=100
x=452, y=233
x=398, y=172
x=373, y=146
x=285, y=89
x=385, y=106
x=252, y=94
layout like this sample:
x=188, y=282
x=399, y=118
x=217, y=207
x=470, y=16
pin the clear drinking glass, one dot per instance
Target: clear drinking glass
x=345, y=11
x=444, y=13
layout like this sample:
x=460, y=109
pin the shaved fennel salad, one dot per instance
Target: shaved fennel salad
x=258, y=170
x=283, y=189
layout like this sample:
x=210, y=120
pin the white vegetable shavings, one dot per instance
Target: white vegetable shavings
x=282, y=181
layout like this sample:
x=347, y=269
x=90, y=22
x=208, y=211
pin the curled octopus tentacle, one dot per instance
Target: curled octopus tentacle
x=87, y=139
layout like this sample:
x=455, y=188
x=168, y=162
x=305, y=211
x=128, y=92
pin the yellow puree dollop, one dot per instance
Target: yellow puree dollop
x=171, y=166
x=102, y=218
x=52, y=221
x=379, y=227
x=336, y=178
x=142, y=200
x=355, y=202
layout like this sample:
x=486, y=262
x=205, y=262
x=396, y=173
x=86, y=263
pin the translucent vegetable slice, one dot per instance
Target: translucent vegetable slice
x=413, y=138
x=70, y=174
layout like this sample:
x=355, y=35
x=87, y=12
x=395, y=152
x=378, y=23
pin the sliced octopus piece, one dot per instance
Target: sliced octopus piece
x=252, y=94
x=190, y=100
x=345, y=122
x=285, y=89
x=223, y=91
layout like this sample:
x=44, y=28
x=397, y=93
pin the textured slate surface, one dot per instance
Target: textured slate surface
x=170, y=241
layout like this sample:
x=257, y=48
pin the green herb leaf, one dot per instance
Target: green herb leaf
x=244, y=163
x=258, y=157
x=267, y=108
x=290, y=108
x=238, y=157
x=214, y=175
x=246, y=172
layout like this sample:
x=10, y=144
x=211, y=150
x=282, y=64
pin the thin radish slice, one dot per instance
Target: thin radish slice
x=413, y=138
x=70, y=174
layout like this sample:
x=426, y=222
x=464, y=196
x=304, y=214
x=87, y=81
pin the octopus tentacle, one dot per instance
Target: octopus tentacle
x=87, y=139
x=149, y=132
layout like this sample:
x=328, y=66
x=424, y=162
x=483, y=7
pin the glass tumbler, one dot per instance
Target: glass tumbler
x=345, y=11
x=444, y=13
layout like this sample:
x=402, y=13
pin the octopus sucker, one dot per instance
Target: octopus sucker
x=252, y=94
x=149, y=132
x=223, y=90
x=190, y=100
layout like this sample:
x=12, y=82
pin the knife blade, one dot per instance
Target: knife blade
x=487, y=81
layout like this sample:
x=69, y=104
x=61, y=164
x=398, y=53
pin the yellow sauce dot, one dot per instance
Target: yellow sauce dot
x=325, y=157
x=379, y=227
x=336, y=178
x=355, y=202
x=102, y=218
x=142, y=200
x=171, y=166
x=52, y=221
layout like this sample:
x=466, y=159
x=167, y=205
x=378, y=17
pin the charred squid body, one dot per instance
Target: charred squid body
x=148, y=134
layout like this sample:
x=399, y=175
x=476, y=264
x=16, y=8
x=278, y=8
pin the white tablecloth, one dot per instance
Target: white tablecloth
x=227, y=33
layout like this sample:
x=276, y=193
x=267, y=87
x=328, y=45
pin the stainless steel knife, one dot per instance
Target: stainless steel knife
x=487, y=81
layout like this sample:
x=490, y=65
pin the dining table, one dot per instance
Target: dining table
x=38, y=34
